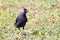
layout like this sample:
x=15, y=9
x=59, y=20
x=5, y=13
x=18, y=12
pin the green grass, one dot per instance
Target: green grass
x=43, y=20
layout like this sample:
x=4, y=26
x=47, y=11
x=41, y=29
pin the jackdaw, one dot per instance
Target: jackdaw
x=21, y=19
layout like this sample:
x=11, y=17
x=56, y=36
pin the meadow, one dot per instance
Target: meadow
x=43, y=20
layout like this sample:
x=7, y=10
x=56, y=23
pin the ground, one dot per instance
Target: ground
x=43, y=20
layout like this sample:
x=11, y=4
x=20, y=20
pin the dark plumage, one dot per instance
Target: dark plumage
x=21, y=19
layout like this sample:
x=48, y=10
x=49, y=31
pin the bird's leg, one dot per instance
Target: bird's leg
x=23, y=28
x=18, y=28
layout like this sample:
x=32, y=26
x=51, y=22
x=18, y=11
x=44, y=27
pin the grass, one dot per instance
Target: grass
x=43, y=20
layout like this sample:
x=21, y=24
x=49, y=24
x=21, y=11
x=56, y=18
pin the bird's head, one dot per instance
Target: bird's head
x=25, y=10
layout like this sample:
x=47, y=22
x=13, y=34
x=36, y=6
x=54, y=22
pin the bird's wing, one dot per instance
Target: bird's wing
x=20, y=20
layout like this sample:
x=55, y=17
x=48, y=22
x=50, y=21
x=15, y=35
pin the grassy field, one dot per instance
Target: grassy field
x=43, y=20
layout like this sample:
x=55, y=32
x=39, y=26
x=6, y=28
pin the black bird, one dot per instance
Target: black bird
x=21, y=19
